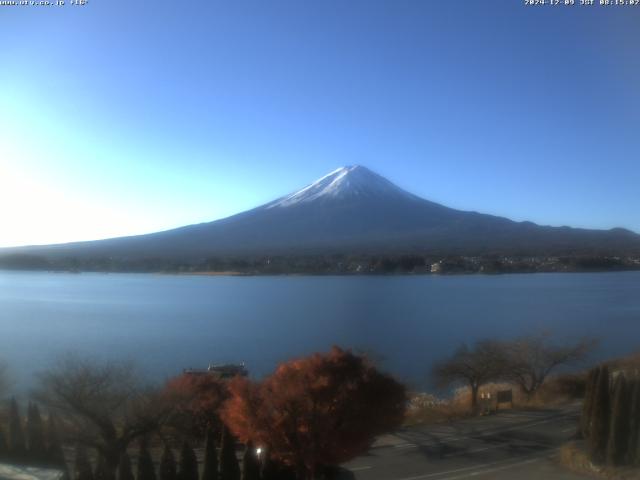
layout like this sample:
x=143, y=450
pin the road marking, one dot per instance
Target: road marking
x=572, y=429
x=405, y=445
x=358, y=469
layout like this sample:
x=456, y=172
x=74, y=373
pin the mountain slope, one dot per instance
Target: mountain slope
x=352, y=210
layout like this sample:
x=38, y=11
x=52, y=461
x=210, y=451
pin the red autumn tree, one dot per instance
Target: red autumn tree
x=197, y=399
x=317, y=411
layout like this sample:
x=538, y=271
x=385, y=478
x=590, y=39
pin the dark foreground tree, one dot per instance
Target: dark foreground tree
x=188, y=463
x=55, y=454
x=271, y=469
x=4, y=447
x=146, y=470
x=268, y=468
x=124, y=468
x=82, y=469
x=17, y=447
x=104, y=405
x=229, y=468
x=600, y=418
x=102, y=470
x=472, y=367
x=210, y=469
x=618, y=444
x=531, y=359
x=168, y=469
x=634, y=424
x=587, y=405
x=250, y=463
x=317, y=411
x=35, y=436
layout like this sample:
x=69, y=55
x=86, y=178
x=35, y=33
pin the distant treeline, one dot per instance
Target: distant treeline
x=333, y=264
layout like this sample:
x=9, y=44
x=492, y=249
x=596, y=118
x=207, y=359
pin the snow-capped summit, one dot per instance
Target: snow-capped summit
x=352, y=210
x=345, y=182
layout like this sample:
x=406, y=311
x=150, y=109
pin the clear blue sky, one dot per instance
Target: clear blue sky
x=125, y=117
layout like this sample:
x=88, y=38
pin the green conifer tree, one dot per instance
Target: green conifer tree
x=82, y=465
x=250, y=463
x=635, y=454
x=600, y=418
x=618, y=444
x=210, y=470
x=268, y=468
x=54, y=453
x=188, y=463
x=35, y=436
x=634, y=422
x=4, y=447
x=273, y=470
x=146, y=470
x=168, y=465
x=17, y=448
x=124, y=468
x=102, y=471
x=585, y=417
x=229, y=467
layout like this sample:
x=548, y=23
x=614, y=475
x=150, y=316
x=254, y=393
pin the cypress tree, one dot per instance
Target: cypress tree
x=634, y=422
x=250, y=464
x=271, y=470
x=585, y=417
x=168, y=465
x=188, y=463
x=4, y=448
x=102, y=471
x=210, y=470
x=99, y=468
x=35, y=436
x=82, y=465
x=146, y=470
x=635, y=454
x=600, y=418
x=229, y=467
x=619, y=429
x=55, y=454
x=286, y=472
x=17, y=449
x=268, y=469
x=124, y=468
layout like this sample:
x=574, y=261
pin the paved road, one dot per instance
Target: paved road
x=509, y=445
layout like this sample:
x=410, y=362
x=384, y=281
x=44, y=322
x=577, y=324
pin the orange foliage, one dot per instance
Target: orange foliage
x=317, y=411
x=198, y=399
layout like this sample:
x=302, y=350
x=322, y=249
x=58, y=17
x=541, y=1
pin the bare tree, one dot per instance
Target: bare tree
x=531, y=359
x=102, y=405
x=473, y=367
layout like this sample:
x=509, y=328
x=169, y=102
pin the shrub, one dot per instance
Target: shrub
x=317, y=411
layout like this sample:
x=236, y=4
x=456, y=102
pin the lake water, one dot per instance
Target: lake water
x=166, y=323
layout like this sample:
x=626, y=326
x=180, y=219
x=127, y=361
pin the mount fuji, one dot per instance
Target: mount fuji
x=350, y=210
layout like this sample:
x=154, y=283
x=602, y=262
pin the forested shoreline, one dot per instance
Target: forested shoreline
x=336, y=264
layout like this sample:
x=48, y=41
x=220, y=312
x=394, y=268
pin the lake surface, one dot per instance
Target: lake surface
x=167, y=323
